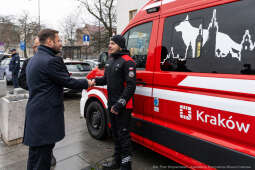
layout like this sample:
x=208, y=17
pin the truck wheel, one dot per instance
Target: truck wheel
x=96, y=120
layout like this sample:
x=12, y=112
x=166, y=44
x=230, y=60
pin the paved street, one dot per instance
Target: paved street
x=78, y=150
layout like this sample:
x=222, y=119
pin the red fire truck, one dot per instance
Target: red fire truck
x=195, y=94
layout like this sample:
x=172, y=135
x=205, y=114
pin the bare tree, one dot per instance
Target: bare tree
x=104, y=11
x=28, y=30
x=99, y=39
x=69, y=27
x=9, y=34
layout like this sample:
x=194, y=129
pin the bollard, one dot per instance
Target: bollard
x=3, y=92
x=18, y=91
x=3, y=88
x=12, y=118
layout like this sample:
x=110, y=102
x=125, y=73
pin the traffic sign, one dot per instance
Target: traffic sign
x=86, y=39
x=22, y=45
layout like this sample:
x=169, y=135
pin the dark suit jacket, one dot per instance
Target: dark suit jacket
x=46, y=77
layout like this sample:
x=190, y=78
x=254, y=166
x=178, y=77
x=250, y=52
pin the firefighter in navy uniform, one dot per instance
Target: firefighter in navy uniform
x=120, y=78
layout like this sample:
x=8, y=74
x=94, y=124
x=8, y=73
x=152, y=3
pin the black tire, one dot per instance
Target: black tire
x=96, y=120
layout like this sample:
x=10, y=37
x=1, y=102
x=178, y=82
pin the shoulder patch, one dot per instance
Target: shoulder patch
x=131, y=74
x=127, y=58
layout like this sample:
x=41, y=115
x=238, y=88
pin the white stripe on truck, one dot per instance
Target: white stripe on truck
x=225, y=84
x=219, y=103
x=213, y=102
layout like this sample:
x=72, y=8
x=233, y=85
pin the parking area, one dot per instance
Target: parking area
x=78, y=150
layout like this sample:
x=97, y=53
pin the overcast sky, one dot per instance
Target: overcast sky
x=52, y=12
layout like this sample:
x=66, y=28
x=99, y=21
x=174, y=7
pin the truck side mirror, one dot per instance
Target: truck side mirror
x=103, y=57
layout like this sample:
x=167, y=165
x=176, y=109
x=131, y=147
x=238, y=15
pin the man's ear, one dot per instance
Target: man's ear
x=49, y=42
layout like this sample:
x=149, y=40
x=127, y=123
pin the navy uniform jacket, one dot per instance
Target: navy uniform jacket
x=120, y=78
x=14, y=65
x=46, y=76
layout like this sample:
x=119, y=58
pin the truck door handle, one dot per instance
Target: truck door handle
x=140, y=81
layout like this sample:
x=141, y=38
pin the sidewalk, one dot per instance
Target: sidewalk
x=75, y=152
x=78, y=150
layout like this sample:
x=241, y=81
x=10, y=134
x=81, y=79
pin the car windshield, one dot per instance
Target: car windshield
x=92, y=63
x=77, y=67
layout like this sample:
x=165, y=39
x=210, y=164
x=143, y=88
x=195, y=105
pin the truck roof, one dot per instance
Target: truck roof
x=172, y=7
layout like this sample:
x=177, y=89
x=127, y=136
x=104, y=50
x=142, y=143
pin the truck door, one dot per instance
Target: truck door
x=204, y=84
x=141, y=43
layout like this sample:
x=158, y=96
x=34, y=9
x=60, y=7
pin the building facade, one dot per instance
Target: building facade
x=98, y=42
x=126, y=10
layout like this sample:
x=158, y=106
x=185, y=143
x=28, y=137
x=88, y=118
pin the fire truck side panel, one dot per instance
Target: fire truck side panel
x=195, y=95
x=204, y=106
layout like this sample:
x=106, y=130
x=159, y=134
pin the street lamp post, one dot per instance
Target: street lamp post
x=99, y=37
x=39, y=19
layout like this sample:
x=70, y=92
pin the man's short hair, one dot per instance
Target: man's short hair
x=45, y=34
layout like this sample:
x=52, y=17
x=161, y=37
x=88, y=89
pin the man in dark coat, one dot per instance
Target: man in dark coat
x=14, y=67
x=120, y=77
x=46, y=77
x=23, y=81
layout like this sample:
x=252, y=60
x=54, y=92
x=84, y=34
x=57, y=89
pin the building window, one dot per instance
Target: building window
x=132, y=14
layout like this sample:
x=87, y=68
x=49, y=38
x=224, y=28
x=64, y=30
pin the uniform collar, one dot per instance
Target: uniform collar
x=120, y=53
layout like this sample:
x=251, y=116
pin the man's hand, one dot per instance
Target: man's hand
x=113, y=111
x=91, y=83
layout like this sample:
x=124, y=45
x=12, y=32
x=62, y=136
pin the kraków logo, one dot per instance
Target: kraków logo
x=185, y=112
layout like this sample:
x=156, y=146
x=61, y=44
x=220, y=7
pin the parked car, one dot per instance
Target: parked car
x=5, y=73
x=92, y=63
x=77, y=70
x=4, y=55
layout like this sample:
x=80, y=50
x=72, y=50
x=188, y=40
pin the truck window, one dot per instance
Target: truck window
x=138, y=39
x=126, y=37
x=211, y=40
